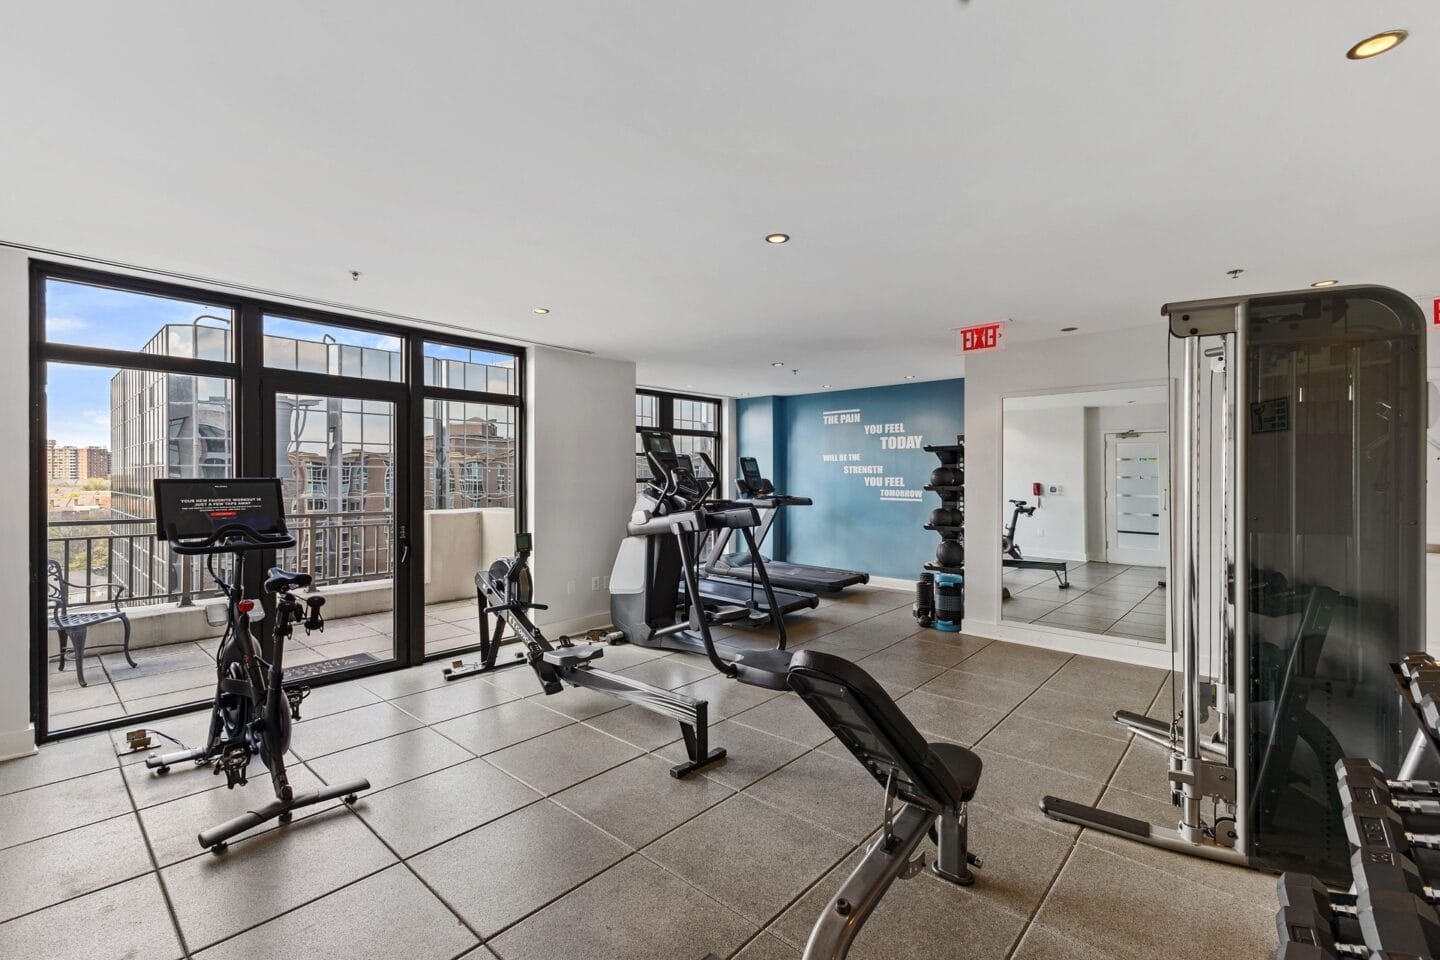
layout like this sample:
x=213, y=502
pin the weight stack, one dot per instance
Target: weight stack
x=924, y=608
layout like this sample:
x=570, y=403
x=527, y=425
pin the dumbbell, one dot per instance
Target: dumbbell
x=1393, y=905
x=1304, y=924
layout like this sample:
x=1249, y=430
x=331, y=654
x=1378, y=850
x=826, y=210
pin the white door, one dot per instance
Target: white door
x=1136, y=528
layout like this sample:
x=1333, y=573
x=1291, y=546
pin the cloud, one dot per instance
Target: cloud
x=55, y=325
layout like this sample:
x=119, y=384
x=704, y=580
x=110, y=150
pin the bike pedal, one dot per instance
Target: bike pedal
x=296, y=696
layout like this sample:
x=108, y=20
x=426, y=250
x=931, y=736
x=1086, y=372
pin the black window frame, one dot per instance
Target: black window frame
x=250, y=378
x=665, y=420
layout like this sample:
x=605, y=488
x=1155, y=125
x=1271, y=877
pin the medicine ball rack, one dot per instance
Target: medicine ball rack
x=952, y=534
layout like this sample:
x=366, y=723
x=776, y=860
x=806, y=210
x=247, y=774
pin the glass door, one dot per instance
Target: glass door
x=338, y=454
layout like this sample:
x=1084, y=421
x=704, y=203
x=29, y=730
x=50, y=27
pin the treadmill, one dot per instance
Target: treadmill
x=740, y=600
x=760, y=493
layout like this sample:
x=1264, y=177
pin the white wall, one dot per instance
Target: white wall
x=1075, y=363
x=581, y=458
x=1098, y=422
x=16, y=733
x=1045, y=446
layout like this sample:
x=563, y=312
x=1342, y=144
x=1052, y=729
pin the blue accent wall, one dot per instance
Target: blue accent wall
x=857, y=454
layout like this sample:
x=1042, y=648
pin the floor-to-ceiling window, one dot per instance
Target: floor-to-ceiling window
x=398, y=453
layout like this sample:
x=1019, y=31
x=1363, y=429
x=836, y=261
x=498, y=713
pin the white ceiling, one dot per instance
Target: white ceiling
x=1089, y=398
x=937, y=163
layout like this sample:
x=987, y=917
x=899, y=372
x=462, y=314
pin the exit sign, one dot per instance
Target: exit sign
x=982, y=337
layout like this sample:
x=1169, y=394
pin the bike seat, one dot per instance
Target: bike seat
x=571, y=657
x=280, y=579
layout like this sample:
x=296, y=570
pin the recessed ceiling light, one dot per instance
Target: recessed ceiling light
x=541, y=310
x=1324, y=283
x=825, y=386
x=778, y=363
x=1378, y=44
x=778, y=238
x=909, y=376
x=689, y=386
x=744, y=393
x=1068, y=329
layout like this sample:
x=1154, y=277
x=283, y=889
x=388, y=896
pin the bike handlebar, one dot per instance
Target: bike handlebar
x=227, y=538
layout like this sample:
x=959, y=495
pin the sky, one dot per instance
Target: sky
x=78, y=397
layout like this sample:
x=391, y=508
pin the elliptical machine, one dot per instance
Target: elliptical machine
x=253, y=709
x=673, y=513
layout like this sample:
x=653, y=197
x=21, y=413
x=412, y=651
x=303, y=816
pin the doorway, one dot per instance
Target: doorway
x=1135, y=522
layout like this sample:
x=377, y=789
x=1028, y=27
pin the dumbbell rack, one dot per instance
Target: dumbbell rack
x=1392, y=909
x=952, y=497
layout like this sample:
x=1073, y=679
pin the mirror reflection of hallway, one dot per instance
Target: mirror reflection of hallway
x=1089, y=543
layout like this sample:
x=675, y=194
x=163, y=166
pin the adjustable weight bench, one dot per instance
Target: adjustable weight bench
x=932, y=781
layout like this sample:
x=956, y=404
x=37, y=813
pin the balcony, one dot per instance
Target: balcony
x=350, y=556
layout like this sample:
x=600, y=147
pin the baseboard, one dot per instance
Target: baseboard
x=1086, y=644
x=17, y=743
x=893, y=583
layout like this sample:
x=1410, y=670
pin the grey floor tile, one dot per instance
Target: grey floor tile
x=452, y=700
x=718, y=852
x=1076, y=620
x=767, y=946
x=787, y=717
x=73, y=699
x=1081, y=713
x=387, y=915
x=1042, y=943
x=946, y=719
x=1143, y=770
x=938, y=647
x=150, y=786
x=727, y=697
x=340, y=731
x=922, y=919
x=1060, y=748
x=556, y=760
x=749, y=754
x=1128, y=686
x=392, y=760
x=1014, y=787
x=278, y=870
x=831, y=790
x=1016, y=663
x=402, y=683
x=1020, y=861
x=56, y=807
x=511, y=867
x=336, y=698
x=648, y=913
x=900, y=669
x=173, y=828
x=57, y=761
x=498, y=727
x=1025, y=609
x=639, y=800
x=1129, y=627
x=66, y=865
x=978, y=688
x=139, y=689
x=577, y=703
x=128, y=921
x=666, y=672
x=421, y=813
x=636, y=725
x=1123, y=922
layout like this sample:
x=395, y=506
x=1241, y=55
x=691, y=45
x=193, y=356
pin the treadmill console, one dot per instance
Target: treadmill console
x=751, y=483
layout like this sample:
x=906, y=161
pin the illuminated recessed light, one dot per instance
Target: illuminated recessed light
x=1378, y=44
x=909, y=376
x=778, y=238
x=744, y=393
x=541, y=310
x=689, y=386
x=1324, y=283
x=824, y=386
x=1068, y=329
x=778, y=363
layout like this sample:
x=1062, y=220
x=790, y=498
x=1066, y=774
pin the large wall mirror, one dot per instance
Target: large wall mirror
x=1085, y=539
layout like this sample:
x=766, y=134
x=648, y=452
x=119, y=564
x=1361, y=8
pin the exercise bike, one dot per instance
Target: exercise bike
x=1008, y=546
x=253, y=709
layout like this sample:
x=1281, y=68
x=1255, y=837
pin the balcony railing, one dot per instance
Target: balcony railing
x=348, y=547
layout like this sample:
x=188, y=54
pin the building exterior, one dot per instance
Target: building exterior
x=335, y=456
x=75, y=464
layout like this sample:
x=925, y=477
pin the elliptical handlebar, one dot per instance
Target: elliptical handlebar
x=228, y=538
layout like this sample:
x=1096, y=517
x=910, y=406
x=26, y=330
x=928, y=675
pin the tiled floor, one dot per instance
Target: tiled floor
x=1108, y=598
x=503, y=823
x=165, y=676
